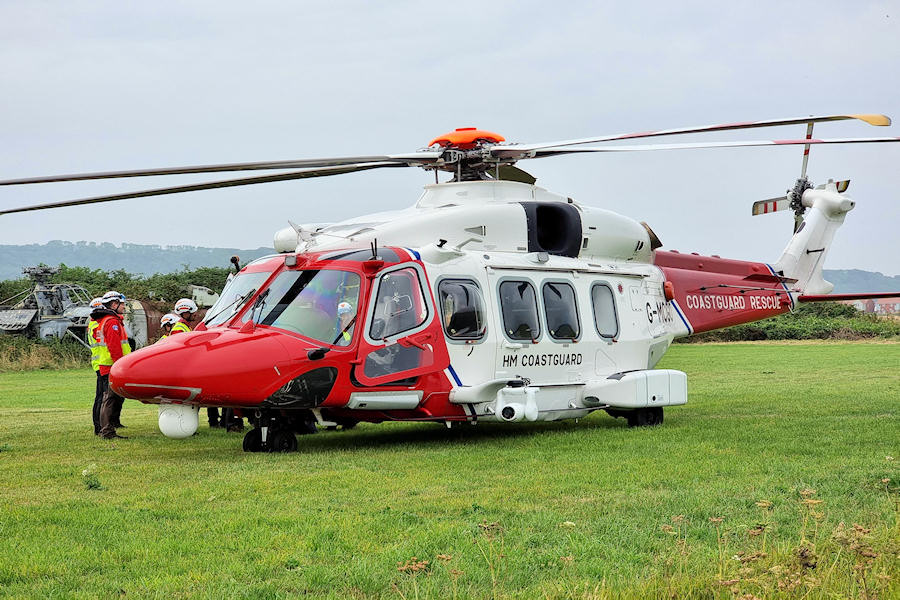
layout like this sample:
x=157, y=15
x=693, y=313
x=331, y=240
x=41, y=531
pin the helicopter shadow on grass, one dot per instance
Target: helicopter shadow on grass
x=429, y=435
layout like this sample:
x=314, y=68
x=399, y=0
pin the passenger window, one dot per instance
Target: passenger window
x=561, y=311
x=518, y=303
x=462, y=309
x=399, y=305
x=604, y=310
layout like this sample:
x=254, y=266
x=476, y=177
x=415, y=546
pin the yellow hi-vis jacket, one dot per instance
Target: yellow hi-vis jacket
x=95, y=343
x=179, y=327
x=106, y=359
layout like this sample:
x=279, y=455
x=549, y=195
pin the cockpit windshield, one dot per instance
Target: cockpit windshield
x=236, y=292
x=318, y=304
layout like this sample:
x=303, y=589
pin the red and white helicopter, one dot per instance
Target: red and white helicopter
x=490, y=299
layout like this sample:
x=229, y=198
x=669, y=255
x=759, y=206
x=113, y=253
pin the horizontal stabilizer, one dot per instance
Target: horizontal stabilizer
x=762, y=207
x=860, y=296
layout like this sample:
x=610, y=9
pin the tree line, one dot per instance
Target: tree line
x=160, y=287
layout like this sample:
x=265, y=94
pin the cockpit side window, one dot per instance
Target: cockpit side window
x=462, y=309
x=518, y=303
x=230, y=301
x=399, y=304
x=561, y=311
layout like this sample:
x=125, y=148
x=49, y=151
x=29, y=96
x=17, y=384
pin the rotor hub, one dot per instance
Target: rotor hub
x=467, y=153
x=466, y=138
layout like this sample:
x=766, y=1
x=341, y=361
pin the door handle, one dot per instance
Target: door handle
x=419, y=340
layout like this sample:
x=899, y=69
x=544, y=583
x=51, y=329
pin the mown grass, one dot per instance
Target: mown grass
x=555, y=510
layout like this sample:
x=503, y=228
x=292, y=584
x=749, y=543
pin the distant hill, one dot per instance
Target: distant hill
x=149, y=259
x=847, y=281
x=133, y=258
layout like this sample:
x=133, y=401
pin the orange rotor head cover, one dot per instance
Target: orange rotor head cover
x=465, y=138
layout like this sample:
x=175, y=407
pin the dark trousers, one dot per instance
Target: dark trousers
x=212, y=414
x=99, y=389
x=229, y=419
x=117, y=411
x=109, y=410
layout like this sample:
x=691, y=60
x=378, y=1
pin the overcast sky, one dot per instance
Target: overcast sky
x=109, y=85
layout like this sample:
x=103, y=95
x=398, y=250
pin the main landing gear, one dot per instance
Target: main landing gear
x=274, y=431
x=639, y=417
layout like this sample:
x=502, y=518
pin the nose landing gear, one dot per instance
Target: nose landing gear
x=275, y=431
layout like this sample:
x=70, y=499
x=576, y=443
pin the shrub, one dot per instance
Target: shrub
x=821, y=320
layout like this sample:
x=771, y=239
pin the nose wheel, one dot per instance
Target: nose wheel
x=276, y=432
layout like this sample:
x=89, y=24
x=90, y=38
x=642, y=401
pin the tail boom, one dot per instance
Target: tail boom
x=712, y=292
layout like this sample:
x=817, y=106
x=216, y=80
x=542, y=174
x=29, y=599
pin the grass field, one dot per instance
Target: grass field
x=778, y=479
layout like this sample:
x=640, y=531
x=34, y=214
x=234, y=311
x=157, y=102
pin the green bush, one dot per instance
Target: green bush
x=165, y=287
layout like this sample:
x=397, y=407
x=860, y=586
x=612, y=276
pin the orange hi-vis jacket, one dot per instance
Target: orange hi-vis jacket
x=113, y=341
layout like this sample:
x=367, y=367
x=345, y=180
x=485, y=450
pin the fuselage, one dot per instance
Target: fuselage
x=503, y=302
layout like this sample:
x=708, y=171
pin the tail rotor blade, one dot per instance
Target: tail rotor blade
x=809, y=130
x=764, y=207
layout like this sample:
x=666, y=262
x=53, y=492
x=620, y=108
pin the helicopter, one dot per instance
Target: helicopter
x=46, y=310
x=490, y=299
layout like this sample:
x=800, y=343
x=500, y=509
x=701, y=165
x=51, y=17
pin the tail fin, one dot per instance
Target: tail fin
x=804, y=256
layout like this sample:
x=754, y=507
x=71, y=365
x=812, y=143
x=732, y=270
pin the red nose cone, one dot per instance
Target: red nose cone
x=218, y=367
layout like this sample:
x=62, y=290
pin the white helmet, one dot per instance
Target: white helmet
x=168, y=319
x=344, y=308
x=185, y=305
x=111, y=296
x=96, y=303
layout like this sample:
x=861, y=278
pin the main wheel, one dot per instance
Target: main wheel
x=253, y=440
x=304, y=423
x=344, y=424
x=283, y=440
x=645, y=417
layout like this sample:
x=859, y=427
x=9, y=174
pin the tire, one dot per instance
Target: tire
x=304, y=423
x=645, y=417
x=253, y=440
x=283, y=440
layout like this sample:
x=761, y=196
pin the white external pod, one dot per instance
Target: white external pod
x=178, y=421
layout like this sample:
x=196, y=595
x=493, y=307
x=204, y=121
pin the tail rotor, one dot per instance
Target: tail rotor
x=793, y=198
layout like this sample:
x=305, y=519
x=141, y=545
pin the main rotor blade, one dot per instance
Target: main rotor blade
x=337, y=170
x=512, y=151
x=411, y=159
x=652, y=147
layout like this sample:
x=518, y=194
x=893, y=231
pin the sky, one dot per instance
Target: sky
x=111, y=85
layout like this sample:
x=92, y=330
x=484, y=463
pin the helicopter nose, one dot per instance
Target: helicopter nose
x=220, y=367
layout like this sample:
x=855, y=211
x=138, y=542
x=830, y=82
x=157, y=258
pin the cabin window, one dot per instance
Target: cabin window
x=604, y=310
x=561, y=311
x=399, y=304
x=462, y=309
x=518, y=303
